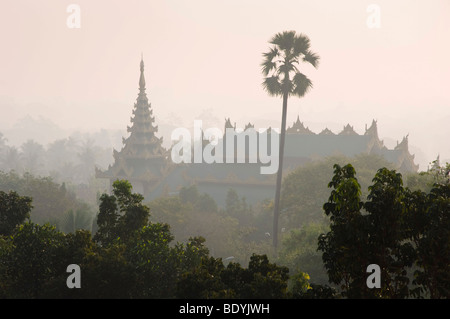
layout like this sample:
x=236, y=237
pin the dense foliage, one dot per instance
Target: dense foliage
x=131, y=253
x=128, y=257
x=52, y=202
x=406, y=233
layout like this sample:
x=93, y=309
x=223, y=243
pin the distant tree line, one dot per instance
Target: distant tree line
x=52, y=202
x=70, y=160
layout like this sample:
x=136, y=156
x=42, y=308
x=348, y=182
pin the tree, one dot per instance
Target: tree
x=50, y=200
x=299, y=252
x=389, y=245
x=211, y=279
x=400, y=230
x=304, y=190
x=191, y=213
x=14, y=209
x=121, y=214
x=283, y=78
x=73, y=220
x=130, y=258
x=32, y=261
x=345, y=246
x=430, y=218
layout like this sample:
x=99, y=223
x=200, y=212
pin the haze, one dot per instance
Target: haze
x=202, y=61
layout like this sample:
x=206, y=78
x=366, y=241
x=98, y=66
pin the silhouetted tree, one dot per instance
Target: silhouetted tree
x=283, y=78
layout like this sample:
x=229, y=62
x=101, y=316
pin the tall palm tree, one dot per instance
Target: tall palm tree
x=283, y=78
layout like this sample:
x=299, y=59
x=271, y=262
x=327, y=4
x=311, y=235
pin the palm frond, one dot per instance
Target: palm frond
x=271, y=54
x=301, y=44
x=301, y=84
x=286, y=68
x=284, y=40
x=312, y=58
x=268, y=66
x=272, y=85
x=287, y=86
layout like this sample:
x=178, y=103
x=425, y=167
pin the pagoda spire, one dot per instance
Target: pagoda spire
x=142, y=78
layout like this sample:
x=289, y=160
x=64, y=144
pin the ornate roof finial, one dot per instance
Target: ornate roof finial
x=142, y=79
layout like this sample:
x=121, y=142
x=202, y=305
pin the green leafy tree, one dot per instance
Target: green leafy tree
x=425, y=181
x=396, y=228
x=155, y=262
x=299, y=284
x=121, y=214
x=283, y=78
x=390, y=247
x=432, y=239
x=211, y=279
x=130, y=258
x=204, y=281
x=32, y=261
x=345, y=246
x=267, y=279
x=14, y=210
x=377, y=236
x=107, y=274
x=299, y=252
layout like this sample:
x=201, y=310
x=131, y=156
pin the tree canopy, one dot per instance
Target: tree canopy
x=406, y=233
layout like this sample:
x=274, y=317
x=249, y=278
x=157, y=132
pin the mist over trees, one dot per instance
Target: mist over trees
x=49, y=193
x=54, y=212
x=129, y=254
x=70, y=160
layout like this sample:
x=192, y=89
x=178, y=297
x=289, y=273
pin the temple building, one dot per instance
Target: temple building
x=149, y=167
x=142, y=161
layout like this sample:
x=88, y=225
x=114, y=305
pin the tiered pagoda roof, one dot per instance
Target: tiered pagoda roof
x=142, y=157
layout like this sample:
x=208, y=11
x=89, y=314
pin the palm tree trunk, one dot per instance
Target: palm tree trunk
x=276, y=208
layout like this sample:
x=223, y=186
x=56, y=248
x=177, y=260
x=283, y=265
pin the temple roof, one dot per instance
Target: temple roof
x=298, y=128
x=348, y=130
x=142, y=154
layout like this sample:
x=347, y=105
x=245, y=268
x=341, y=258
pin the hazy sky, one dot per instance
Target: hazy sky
x=202, y=59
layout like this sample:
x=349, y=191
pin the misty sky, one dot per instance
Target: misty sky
x=202, y=61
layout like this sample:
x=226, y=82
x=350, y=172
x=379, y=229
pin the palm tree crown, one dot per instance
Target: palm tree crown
x=280, y=65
